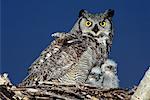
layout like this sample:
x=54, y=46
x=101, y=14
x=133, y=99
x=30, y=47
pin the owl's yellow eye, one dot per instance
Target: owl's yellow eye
x=88, y=23
x=103, y=23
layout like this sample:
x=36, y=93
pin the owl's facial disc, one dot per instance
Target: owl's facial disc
x=96, y=26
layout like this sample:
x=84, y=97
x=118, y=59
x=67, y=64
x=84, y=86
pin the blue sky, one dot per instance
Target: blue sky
x=27, y=26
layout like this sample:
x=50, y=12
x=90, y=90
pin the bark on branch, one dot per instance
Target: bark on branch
x=49, y=91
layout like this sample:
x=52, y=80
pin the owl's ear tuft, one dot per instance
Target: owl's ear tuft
x=109, y=13
x=82, y=12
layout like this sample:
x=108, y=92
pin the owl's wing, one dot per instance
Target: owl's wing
x=55, y=60
x=56, y=46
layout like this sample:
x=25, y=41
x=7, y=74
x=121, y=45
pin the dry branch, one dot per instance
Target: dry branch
x=48, y=91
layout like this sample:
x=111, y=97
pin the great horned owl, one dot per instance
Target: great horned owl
x=104, y=76
x=70, y=57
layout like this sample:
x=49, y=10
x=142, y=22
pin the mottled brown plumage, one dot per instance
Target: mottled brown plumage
x=71, y=56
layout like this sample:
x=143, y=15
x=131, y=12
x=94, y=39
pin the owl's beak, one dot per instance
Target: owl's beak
x=95, y=29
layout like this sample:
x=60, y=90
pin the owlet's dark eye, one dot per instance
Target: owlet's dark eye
x=103, y=23
x=88, y=23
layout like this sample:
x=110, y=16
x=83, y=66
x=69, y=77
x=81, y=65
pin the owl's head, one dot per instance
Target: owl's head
x=109, y=66
x=97, y=25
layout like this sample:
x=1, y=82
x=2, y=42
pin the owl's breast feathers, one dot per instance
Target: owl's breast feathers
x=60, y=57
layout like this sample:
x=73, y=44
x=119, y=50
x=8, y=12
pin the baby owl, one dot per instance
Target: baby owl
x=109, y=77
x=72, y=55
x=104, y=76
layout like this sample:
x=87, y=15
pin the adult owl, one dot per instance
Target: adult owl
x=71, y=56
